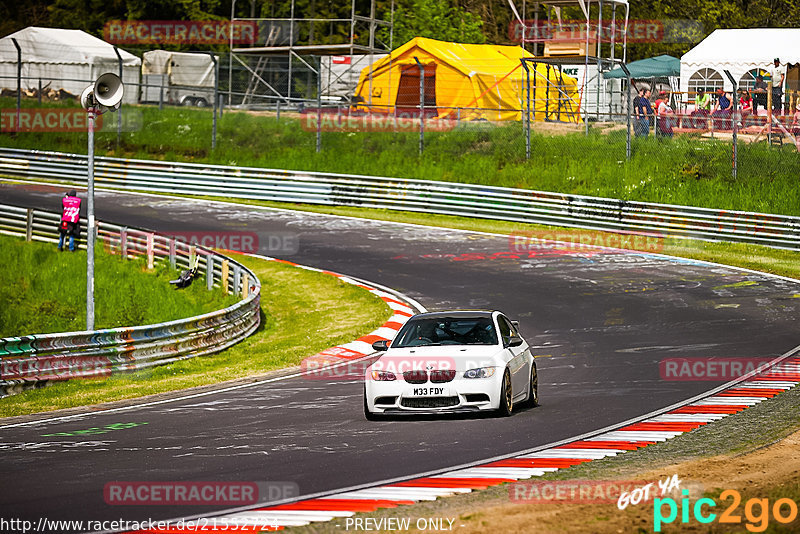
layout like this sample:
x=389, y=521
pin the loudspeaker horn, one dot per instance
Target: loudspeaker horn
x=87, y=97
x=108, y=91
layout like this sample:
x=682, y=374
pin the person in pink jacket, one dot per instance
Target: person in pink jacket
x=70, y=220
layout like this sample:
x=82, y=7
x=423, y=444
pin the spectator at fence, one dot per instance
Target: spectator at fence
x=70, y=220
x=702, y=109
x=759, y=94
x=745, y=106
x=722, y=111
x=643, y=111
x=664, y=115
x=778, y=73
x=796, y=126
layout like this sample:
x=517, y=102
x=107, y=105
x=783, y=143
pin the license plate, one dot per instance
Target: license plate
x=428, y=391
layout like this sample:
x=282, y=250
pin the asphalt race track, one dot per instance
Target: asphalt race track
x=600, y=322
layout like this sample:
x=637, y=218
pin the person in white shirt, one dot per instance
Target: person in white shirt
x=778, y=74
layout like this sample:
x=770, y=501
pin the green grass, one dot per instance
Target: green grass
x=678, y=171
x=44, y=291
x=303, y=312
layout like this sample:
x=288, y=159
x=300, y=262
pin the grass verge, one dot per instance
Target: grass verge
x=44, y=291
x=304, y=312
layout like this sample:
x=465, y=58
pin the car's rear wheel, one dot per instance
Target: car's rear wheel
x=506, y=396
x=368, y=414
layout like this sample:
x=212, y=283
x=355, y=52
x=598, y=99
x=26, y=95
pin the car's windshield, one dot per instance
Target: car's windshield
x=426, y=331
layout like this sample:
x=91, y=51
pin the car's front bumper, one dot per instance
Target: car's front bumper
x=458, y=395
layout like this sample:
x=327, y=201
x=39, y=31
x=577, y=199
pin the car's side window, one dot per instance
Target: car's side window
x=505, y=329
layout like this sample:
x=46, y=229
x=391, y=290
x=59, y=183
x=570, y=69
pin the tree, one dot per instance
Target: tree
x=436, y=19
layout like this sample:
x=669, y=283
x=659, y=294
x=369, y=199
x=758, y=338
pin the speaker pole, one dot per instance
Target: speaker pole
x=103, y=95
x=90, y=231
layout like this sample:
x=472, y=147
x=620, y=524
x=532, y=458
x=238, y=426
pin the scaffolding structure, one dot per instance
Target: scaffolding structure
x=591, y=52
x=290, y=49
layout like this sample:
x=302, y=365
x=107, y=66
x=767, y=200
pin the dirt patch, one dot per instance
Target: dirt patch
x=768, y=473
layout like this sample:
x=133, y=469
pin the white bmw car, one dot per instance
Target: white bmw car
x=455, y=361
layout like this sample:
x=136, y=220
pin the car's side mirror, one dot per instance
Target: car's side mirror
x=515, y=341
x=380, y=345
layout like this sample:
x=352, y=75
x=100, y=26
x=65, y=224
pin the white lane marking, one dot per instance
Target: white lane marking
x=593, y=454
x=767, y=384
x=636, y=435
x=736, y=401
x=499, y=472
x=687, y=418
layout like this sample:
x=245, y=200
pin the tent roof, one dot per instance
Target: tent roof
x=651, y=67
x=56, y=45
x=752, y=46
x=469, y=59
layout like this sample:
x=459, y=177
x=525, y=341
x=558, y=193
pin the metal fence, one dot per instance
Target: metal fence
x=466, y=200
x=32, y=360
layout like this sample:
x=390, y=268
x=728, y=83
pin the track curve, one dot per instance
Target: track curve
x=600, y=322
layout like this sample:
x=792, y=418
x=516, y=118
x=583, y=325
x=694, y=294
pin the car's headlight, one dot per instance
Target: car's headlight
x=481, y=372
x=383, y=376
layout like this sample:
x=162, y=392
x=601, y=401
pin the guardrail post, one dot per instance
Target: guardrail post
x=172, y=259
x=123, y=242
x=237, y=278
x=526, y=110
x=29, y=225
x=734, y=120
x=209, y=272
x=192, y=255
x=150, y=258
x=224, y=276
x=245, y=285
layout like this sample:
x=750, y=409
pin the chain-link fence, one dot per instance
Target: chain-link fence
x=567, y=124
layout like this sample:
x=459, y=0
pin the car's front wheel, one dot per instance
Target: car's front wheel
x=368, y=414
x=506, y=396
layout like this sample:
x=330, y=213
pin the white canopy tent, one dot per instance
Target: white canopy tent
x=66, y=59
x=740, y=51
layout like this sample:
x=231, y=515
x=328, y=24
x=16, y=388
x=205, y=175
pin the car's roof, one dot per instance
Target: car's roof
x=455, y=313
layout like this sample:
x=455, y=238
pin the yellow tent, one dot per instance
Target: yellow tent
x=465, y=81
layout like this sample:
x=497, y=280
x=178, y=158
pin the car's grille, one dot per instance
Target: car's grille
x=415, y=377
x=429, y=402
x=441, y=376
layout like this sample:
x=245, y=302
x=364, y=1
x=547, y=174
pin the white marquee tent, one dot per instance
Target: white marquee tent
x=740, y=51
x=67, y=59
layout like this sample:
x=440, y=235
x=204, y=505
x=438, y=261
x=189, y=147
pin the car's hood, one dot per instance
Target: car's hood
x=458, y=357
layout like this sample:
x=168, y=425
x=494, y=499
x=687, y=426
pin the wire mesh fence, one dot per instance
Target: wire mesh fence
x=563, y=121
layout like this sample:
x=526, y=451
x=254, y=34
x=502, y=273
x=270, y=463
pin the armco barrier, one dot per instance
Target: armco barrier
x=468, y=200
x=31, y=360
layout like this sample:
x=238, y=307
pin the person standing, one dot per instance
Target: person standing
x=637, y=113
x=778, y=74
x=643, y=111
x=70, y=220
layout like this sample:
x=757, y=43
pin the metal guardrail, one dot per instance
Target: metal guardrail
x=31, y=360
x=467, y=200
